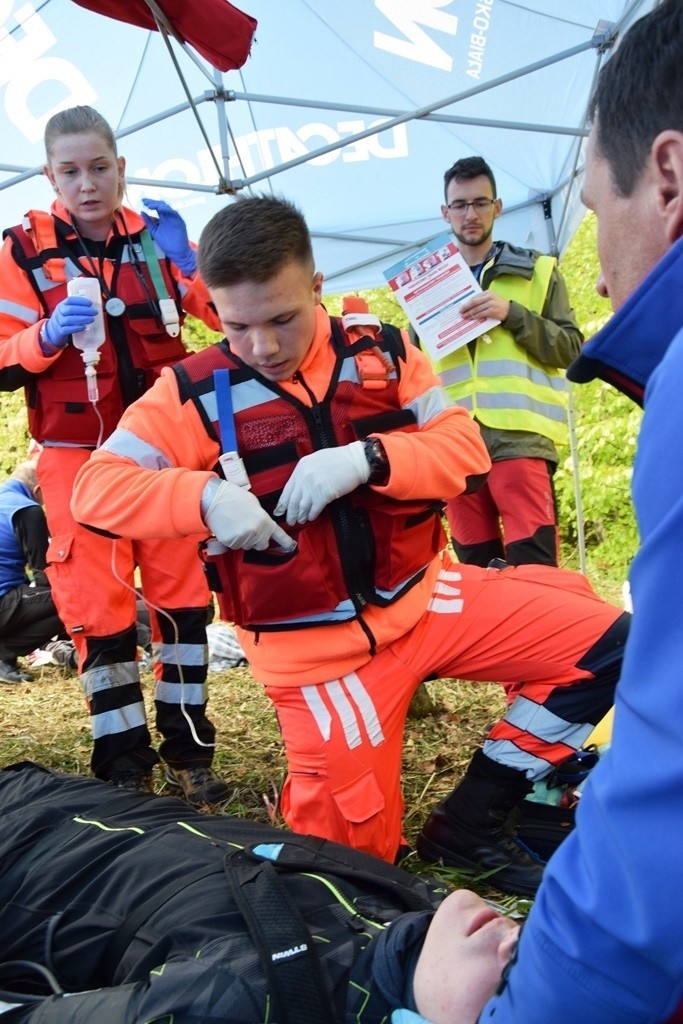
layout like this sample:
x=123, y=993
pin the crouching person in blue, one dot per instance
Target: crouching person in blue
x=120, y=908
x=28, y=616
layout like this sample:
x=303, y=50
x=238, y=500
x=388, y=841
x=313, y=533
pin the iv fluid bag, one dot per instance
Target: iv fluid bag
x=92, y=338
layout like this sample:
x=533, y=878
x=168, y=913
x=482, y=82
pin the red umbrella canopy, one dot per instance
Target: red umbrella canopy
x=219, y=32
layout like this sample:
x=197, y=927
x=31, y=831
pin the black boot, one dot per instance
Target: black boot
x=468, y=829
x=541, y=828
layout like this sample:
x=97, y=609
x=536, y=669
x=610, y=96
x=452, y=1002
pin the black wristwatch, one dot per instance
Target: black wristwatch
x=377, y=460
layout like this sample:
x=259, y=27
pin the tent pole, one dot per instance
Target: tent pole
x=354, y=108
x=573, y=447
x=166, y=29
x=222, y=119
x=601, y=50
x=607, y=34
x=421, y=112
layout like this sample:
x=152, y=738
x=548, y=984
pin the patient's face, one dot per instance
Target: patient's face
x=467, y=946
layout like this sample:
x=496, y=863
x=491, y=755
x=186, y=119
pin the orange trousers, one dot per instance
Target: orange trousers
x=99, y=613
x=537, y=626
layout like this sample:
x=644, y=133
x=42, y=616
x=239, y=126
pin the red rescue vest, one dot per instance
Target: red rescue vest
x=136, y=349
x=364, y=548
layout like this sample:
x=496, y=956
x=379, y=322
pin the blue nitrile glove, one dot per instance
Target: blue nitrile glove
x=407, y=1017
x=321, y=477
x=72, y=314
x=169, y=232
x=238, y=520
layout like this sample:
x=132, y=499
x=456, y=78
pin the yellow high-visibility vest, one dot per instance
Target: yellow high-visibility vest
x=504, y=386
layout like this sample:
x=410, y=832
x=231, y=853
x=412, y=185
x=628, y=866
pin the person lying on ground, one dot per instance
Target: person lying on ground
x=121, y=907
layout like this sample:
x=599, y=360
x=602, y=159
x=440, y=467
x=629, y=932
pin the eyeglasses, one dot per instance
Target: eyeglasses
x=478, y=205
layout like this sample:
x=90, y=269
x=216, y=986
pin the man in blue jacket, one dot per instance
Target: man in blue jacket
x=28, y=617
x=603, y=943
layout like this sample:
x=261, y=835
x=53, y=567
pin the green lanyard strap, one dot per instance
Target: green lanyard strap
x=152, y=261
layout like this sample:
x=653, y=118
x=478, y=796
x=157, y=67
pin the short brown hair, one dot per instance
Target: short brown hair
x=467, y=168
x=252, y=239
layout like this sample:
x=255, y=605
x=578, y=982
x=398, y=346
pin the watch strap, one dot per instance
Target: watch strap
x=377, y=460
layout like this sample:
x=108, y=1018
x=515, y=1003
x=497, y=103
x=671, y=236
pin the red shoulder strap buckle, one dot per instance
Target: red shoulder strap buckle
x=374, y=367
x=39, y=228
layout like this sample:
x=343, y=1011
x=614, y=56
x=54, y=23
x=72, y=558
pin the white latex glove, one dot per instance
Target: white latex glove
x=321, y=477
x=237, y=519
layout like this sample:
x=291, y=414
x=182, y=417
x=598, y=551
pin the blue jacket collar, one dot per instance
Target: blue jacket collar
x=633, y=342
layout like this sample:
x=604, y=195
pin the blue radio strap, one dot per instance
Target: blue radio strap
x=226, y=416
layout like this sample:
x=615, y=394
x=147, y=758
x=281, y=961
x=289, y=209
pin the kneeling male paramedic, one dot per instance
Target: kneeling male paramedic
x=333, y=563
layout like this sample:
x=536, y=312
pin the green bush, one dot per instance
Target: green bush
x=13, y=430
x=606, y=427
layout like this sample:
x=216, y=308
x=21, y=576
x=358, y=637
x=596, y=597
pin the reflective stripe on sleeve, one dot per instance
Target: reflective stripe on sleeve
x=429, y=405
x=130, y=446
x=25, y=313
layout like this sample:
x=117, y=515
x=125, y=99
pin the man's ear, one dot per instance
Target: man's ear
x=317, y=288
x=50, y=176
x=667, y=157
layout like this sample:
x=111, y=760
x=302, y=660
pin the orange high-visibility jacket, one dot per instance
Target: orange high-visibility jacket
x=119, y=492
x=364, y=548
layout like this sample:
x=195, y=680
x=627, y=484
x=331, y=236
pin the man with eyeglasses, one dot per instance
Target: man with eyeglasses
x=509, y=378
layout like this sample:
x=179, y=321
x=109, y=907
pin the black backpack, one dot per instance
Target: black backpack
x=283, y=884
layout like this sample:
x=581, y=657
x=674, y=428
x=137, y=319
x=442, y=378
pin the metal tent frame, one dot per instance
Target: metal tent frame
x=372, y=189
x=363, y=249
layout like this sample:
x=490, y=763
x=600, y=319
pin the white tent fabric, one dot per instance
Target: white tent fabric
x=353, y=110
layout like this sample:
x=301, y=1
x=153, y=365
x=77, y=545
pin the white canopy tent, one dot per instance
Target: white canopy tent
x=353, y=110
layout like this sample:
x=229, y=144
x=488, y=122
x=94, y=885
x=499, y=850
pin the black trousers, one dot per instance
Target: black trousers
x=28, y=619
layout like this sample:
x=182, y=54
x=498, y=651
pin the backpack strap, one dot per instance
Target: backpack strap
x=42, y=229
x=367, y=337
x=282, y=941
x=309, y=854
x=168, y=310
x=37, y=240
x=230, y=460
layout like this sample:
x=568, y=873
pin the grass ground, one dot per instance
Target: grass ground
x=46, y=721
